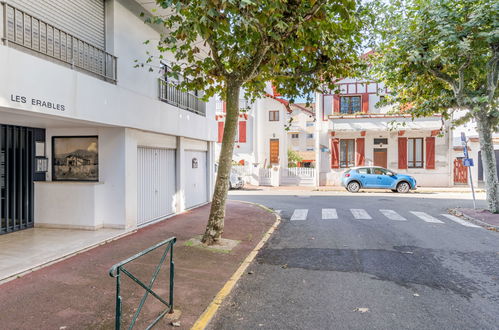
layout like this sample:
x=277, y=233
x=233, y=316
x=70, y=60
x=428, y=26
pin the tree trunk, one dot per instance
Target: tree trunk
x=215, y=226
x=488, y=161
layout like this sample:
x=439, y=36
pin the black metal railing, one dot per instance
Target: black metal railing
x=170, y=93
x=119, y=269
x=29, y=32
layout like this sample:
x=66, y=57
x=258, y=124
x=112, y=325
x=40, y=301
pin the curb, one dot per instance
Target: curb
x=205, y=318
x=460, y=214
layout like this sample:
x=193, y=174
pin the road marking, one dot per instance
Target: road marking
x=426, y=217
x=299, y=214
x=392, y=215
x=360, y=214
x=460, y=221
x=328, y=214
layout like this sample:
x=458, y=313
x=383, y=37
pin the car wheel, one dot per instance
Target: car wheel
x=403, y=187
x=353, y=187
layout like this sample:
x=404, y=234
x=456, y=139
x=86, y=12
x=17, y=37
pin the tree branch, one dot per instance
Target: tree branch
x=216, y=58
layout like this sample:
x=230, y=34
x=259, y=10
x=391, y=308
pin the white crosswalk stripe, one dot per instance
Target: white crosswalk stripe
x=328, y=214
x=392, y=215
x=426, y=217
x=299, y=214
x=360, y=214
x=460, y=221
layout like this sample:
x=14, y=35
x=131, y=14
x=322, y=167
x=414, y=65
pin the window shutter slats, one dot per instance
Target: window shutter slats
x=242, y=131
x=335, y=157
x=220, y=131
x=336, y=104
x=402, y=153
x=359, y=154
x=430, y=153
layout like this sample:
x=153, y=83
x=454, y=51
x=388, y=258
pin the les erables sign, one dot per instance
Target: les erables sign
x=37, y=102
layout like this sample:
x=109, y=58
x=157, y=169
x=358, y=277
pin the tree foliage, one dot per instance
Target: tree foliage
x=437, y=56
x=223, y=46
x=294, y=44
x=440, y=55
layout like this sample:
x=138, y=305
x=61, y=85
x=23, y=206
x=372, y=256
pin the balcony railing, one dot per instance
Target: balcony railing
x=170, y=93
x=27, y=31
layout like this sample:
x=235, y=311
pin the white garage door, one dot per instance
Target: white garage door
x=195, y=178
x=155, y=183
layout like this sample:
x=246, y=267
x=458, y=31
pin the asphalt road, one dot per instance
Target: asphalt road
x=392, y=271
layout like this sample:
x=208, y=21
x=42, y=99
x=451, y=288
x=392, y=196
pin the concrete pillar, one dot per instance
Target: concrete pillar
x=180, y=175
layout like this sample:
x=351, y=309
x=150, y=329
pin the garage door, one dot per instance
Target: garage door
x=195, y=178
x=156, y=184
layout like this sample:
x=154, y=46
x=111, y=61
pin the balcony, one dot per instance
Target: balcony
x=171, y=94
x=32, y=34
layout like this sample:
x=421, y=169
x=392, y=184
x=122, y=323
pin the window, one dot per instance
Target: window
x=310, y=149
x=379, y=171
x=363, y=170
x=273, y=115
x=310, y=123
x=347, y=153
x=310, y=136
x=350, y=104
x=380, y=141
x=415, y=152
x=294, y=135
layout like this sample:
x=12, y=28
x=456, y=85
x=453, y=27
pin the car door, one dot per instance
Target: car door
x=383, y=179
x=362, y=174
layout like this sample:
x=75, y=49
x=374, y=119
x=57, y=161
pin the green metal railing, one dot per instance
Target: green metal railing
x=119, y=269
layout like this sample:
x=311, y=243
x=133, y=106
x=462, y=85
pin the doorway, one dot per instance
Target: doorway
x=380, y=157
x=274, y=151
x=17, y=174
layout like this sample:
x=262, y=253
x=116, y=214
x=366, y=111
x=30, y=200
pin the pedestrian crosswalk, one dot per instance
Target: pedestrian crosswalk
x=362, y=214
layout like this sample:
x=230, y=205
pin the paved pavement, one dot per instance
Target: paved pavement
x=78, y=293
x=368, y=261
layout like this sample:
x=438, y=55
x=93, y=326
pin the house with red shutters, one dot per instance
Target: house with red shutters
x=261, y=137
x=356, y=131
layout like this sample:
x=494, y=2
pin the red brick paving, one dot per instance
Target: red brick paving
x=78, y=293
x=482, y=215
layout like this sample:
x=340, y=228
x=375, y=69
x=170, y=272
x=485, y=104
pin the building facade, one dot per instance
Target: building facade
x=356, y=131
x=86, y=140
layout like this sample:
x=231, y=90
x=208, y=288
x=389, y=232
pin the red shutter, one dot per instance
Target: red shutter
x=224, y=106
x=430, y=153
x=242, y=131
x=359, y=153
x=220, y=131
x=365, y=103
x=335, y=153
x=336, y=104
x=402, y=153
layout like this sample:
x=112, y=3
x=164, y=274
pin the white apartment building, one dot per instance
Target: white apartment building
x=354, y=131
x=86, y=140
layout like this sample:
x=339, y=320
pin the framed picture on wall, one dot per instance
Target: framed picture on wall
x=75, y=158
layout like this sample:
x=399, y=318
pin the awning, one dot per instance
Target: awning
x=383, y=124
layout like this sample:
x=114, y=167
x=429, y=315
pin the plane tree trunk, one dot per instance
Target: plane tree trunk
x=215, y=226
x=489, y=161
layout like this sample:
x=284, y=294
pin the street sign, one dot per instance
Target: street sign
x=465, y=151
x=468, y=162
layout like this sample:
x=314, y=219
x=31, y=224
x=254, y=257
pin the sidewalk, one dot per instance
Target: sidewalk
x=458, y=189
x=482, y=217
x=77, y=293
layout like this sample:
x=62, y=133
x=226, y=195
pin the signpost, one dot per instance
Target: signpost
x=468, y=162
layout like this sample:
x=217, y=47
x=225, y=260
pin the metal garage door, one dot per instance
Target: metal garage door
x=195, y=178
x=155, y=183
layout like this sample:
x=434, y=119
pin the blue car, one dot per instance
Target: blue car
x=358, y=178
